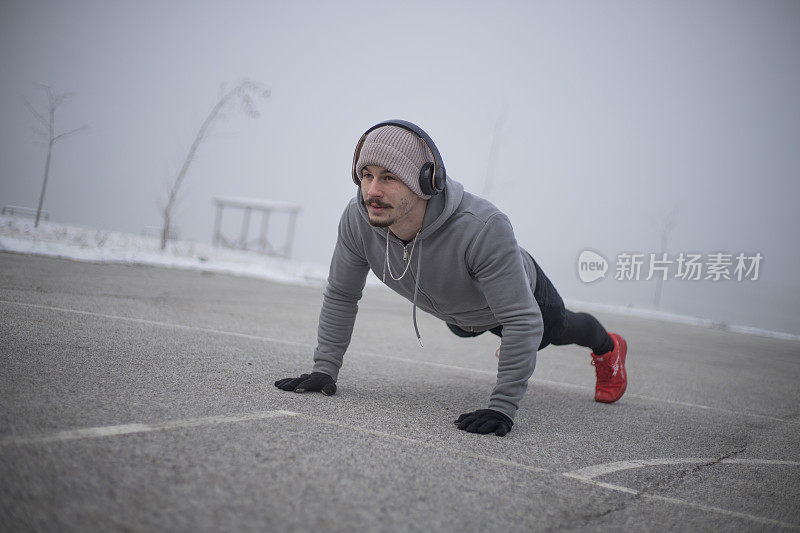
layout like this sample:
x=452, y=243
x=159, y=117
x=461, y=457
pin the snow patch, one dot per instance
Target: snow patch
x=102, y=246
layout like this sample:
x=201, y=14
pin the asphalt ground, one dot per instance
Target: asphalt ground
x=141, y=399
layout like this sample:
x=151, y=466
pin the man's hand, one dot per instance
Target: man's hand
x=485, y=421
x=314, y=382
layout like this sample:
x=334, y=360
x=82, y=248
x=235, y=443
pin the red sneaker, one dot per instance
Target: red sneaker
x=612, y=379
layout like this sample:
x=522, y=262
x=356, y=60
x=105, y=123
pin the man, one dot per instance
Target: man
x=455, y=256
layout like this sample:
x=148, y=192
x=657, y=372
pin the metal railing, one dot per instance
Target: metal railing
x=261, y=244
x=14, y=210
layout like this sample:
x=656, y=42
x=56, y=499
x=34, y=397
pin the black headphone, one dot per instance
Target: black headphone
x=432, y=176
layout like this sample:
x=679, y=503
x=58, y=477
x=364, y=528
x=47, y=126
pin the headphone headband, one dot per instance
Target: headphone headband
x=432, y=184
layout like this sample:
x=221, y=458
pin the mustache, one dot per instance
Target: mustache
x=377, y=203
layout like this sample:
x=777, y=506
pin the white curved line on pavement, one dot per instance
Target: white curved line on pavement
x=393, y=358
x=712, y=509
x=587, y=475
x=571, y=475
x=579, y=475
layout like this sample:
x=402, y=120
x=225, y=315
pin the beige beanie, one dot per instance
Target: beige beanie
x=399, y=151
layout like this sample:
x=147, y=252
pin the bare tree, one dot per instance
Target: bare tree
x=47, y=120
x=488, y=180
x=668, y=223
x=244, y=93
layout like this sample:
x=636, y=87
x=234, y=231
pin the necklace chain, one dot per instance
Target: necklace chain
x=387, y=258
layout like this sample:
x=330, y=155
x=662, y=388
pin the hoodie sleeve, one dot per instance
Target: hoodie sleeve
x=496, y=264
x=346, y=279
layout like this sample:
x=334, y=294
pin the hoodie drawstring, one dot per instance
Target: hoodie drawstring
x=386, y=266
x=416, y=289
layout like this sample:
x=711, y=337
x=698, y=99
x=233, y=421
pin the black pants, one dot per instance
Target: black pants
x=561, y=326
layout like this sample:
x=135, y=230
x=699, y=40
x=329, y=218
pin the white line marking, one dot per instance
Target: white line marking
x=563, y=384
x=426, y=444
x=587, y=475
x=393, y=358
x=583, y=479
x=709, y=508
x=676, y=501
x=584, y=475
x=162, y=324
x=594, y=471
x=128, y=429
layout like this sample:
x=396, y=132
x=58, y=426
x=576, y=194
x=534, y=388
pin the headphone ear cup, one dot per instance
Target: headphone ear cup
x=439, y=180
x=426, y=179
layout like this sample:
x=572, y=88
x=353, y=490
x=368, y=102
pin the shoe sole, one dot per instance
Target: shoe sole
x=623, y=344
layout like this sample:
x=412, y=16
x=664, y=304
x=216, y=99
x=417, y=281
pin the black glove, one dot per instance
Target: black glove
x=314, y=382
x=485, y=421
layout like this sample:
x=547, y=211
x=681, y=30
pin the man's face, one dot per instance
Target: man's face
x=387, y=198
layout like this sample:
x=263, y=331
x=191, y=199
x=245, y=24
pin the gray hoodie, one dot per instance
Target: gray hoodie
x=466, y=269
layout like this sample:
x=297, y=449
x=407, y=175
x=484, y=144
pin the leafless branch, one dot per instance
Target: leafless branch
x=82, y=129
x=55, y=100
x=244, y=91
x=36, y=114
x=43, y=135
x=49, y=135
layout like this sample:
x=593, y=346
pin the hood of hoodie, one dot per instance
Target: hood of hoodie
x=475, y=276
x=439, y=209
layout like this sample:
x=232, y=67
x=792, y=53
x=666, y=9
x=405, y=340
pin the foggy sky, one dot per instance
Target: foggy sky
x=614, y=113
